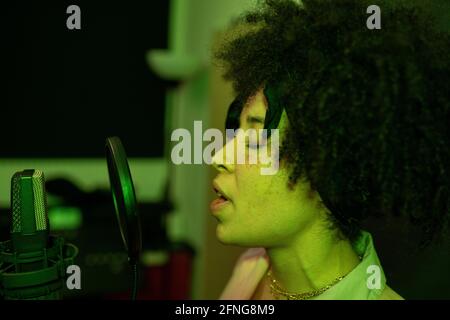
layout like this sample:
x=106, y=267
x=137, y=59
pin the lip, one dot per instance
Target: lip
x=219, y=203
x=216, y=187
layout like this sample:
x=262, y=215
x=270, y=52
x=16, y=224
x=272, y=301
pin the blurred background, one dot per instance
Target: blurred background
x=139, y=70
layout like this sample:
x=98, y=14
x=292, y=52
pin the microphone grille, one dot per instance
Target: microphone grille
x=16, y=203
x=40, y=200
x=28, y=202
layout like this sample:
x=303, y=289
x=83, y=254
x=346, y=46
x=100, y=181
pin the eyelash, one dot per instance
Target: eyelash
x=255, y=146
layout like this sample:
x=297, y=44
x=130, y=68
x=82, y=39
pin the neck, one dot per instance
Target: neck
x=312, y=260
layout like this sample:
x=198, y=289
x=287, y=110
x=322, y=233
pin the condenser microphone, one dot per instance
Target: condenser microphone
x=29, y=227
x=33, y=263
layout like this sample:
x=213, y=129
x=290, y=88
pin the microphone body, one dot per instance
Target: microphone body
x=30, y=227
x=33, y=263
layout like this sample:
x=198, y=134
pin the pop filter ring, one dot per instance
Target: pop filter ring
x=124, y=199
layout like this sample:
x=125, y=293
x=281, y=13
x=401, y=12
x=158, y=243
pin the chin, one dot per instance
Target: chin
x=222, y=235
x=228, y=238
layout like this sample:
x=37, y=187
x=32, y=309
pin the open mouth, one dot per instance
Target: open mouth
x=220, y=195
x=221, y=200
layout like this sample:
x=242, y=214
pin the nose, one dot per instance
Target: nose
x=223, y=160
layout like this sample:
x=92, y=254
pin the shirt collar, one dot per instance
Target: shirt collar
x=366, y=281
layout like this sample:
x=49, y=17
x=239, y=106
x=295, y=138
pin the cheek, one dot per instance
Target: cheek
x=252, y=187
x=261, y=197
x=267, y=211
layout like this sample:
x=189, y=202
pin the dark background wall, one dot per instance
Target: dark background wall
x=66, y=90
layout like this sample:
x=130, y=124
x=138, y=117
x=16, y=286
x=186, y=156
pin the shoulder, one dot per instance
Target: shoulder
x=389, y=294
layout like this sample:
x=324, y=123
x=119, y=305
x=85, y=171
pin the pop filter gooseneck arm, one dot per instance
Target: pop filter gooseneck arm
x=125, y=204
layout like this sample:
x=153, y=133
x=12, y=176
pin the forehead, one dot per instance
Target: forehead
x=256, y=105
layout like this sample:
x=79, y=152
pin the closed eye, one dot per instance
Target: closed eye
x=255, y=120
x=257, y=143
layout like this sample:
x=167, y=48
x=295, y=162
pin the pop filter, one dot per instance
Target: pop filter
x=125, y=204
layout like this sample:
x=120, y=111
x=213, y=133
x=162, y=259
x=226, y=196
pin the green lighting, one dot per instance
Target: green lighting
x=65, y=218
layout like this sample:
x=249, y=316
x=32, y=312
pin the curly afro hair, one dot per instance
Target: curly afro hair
x=368, y=109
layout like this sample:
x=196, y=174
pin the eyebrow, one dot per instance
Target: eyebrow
x=255, y=119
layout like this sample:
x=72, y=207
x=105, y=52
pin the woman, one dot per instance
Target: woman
x=361, y=116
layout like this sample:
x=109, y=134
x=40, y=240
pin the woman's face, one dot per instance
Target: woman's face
x=261, y=210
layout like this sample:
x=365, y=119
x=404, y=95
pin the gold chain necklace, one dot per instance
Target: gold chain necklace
x=277, y=291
